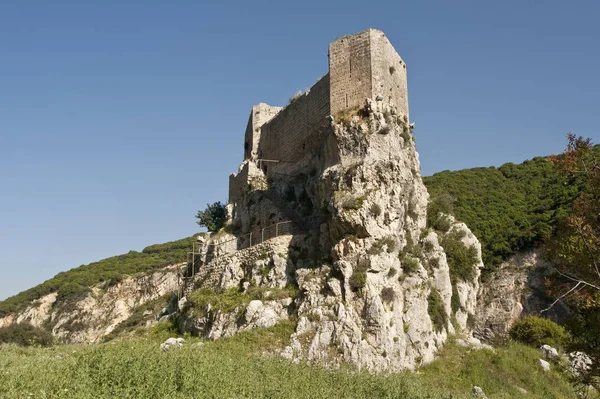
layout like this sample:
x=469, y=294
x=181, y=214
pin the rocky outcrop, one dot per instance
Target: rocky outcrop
x=516, y=290
x=374, y=287
x=90, y=318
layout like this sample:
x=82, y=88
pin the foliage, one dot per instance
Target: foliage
x=74, y=283
x=388, y=294
x=575, y=250
x=241, y=366
x=462, y=260
x=375, y=209
x=536, y=332
x=225, y=301
x=388, y=242
x=409, y=264
x=437, y=313
x=24, y=334
x=358, y=280
x=213, y=217
x=509, y=208
x=455, y=300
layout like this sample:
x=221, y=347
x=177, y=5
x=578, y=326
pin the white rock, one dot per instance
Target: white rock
x=477, y=392
x=549, y=352
x=544, y=364
x=172, y=343
x=579, y=362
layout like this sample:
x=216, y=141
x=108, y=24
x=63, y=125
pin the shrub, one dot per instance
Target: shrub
x=437, y=211
x=388, y=295
x=536, y=332
x=409, y=264
x=378, y=245
x=455, y=300
x=25, y=334
x=358, y=280
x=462, y=260
x=437, y=313
x=375, y=210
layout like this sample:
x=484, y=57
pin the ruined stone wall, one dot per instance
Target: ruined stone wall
x=388, y=72
x=260, y=114
x=298, y=129
x=350, y=71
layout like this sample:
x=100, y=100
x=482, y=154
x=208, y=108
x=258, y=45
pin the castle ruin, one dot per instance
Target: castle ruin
x=283, y=141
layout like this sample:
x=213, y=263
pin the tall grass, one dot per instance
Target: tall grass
x=245, y=366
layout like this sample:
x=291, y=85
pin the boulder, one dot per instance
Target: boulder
x=544, y=364
x=549, y=352
x=172, y=343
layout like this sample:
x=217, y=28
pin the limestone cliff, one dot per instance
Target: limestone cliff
x=517, y=289
x=364, y=278
x=95, y=315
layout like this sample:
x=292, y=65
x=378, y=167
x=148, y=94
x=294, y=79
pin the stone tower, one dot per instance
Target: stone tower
x=366, y=65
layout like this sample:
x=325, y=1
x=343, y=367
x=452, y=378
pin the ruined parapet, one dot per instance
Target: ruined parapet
x=261, y=113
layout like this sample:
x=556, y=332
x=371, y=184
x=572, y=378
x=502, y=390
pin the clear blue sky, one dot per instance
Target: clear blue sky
x=120, y=119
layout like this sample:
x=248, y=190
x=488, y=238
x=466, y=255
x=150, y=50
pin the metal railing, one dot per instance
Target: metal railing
x=197, y=258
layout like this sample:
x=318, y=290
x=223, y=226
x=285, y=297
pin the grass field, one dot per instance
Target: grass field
x=245, y=367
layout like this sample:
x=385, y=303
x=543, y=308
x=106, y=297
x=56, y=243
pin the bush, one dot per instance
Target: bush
x=358, y=280
x=375, y=210
x=409, y=265
x=378, y=245
x=437, y=211
x=25, y=334
x=437, y=313
x=388, y=294
x=536, y=332
x=462, y=260
x=455, y=301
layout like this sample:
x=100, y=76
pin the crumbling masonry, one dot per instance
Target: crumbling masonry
x=282, y=142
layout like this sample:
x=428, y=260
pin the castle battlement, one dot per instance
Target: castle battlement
x=281, y=140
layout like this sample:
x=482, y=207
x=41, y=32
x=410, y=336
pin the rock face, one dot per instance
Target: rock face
x=516, y=290
x=374, y=285
x=94, y=316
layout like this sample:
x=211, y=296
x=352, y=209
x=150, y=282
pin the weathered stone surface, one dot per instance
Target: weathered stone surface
x=515, y=291
x=544, y=364
x=549, y=352
x=477, y=392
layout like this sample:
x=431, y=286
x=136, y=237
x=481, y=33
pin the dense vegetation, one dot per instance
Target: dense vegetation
x=74, y=283
x=24, y=334
x=536, y=332
x=509, y=208
x=246, y=366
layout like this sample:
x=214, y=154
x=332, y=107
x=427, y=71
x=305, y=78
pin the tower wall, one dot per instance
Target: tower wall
x=297, y=130
x=388, y=72
x=350, y=71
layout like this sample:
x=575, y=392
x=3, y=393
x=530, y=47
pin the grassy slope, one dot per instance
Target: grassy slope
x=239, y=367
x=75, y=282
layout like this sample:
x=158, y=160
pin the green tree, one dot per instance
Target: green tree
x=575, y=251
x=213, y=217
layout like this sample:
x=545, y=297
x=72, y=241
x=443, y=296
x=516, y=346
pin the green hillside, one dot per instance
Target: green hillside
x=76, y=282
x=509, y=208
